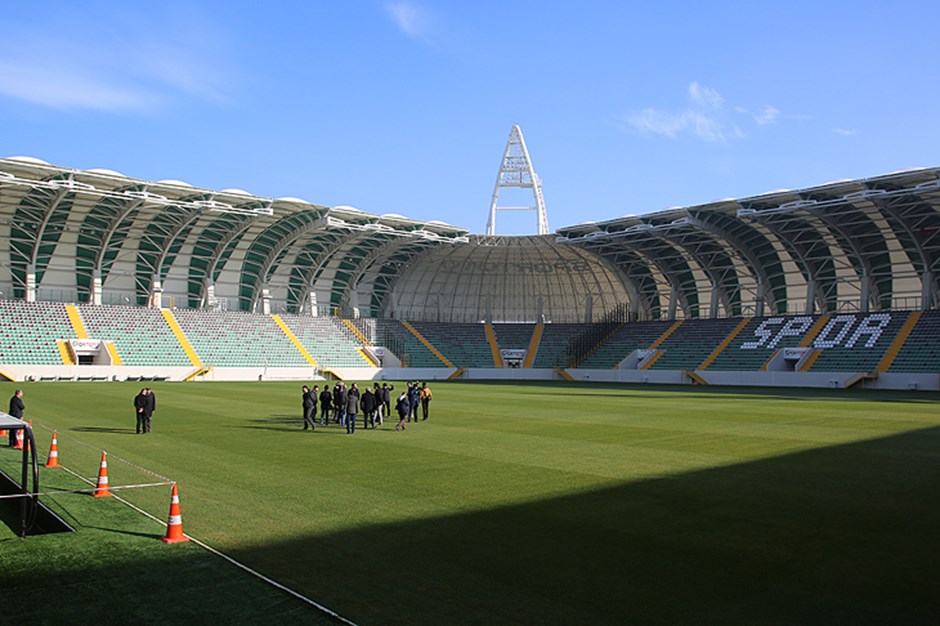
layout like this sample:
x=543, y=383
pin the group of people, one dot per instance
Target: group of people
x=342, y=405
x=145, y=403
x=409, y=401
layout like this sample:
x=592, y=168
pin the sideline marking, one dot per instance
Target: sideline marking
x=201, y=544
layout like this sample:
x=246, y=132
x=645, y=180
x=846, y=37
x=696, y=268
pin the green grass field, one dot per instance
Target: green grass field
x=515, y=503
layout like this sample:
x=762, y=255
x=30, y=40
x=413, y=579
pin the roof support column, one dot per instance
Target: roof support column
x=864, y=297
x=266, y=299
x=354, y=302
x=673, y=303
x=312, y=303
x=759, y=303
x=810, y=299
x=156, y=292
x=928, y=293
x=30, y=282
x=713, y=305
x=96, y=285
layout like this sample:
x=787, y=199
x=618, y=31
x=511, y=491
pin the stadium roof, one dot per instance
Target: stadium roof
x=97, y=235
x=71, y=230
x=847, y=245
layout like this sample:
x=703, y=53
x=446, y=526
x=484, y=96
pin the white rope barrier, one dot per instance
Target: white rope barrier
x=84, y=491
x=208, y=548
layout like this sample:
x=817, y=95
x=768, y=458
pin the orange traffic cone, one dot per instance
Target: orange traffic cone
x=174, y=526
x=4, y=433
x=53, y=459
x=19, y=440
x=27, y=440
x=102, y=490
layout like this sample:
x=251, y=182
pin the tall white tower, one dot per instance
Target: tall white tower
x=516, y=170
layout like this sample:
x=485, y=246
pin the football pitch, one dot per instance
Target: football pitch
x=523, y=503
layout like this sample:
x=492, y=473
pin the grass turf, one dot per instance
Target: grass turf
x=514, y=503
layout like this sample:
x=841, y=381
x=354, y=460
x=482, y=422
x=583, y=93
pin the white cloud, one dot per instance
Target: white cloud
x=68, y=88
x=410, y=18
x=845, y=132
x=705, y=97
x=768, y=115
x=78, y=70
x=706, y=116
x=702, y=118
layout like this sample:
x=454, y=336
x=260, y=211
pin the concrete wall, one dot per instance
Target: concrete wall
x=837, y=380
x=393, y=373
x=493, y=373
x=123, y=372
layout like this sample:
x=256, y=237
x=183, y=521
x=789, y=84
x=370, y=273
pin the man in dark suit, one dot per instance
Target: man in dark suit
x=326, y=403
x=151, y=406
x=140, y=408
x=367, y=404
x=310, y=408
x=16, y=410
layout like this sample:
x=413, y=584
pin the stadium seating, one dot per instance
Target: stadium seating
x=553, y=348
x=141, y=336
x=742, y=353
x=864, y=341
x=392, y=335
x=513, y=336
x=230, y=339
x=851, y=342
x=691, y=343
x=29, y=331
x=464, y=344
x=327, y=340
x=921, y=351
x=635, y=336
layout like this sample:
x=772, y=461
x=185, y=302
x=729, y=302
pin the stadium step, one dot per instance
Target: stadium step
x=112, y=350
x=293, y=339
x=181, y=336
x=724, y=344
x=67, y=358
x=898, y=342
x=427, y=343
x=76, y=318
x=533, y=345
x=494, y=345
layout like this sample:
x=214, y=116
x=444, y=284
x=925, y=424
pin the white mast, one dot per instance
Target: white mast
x=515, y=170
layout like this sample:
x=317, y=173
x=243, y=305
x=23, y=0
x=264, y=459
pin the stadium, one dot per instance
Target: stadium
x=779, y=356
x=835, y=285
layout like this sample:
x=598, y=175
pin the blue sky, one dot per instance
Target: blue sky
x=405, y=106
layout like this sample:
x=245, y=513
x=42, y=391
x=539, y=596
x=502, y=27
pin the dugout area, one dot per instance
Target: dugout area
x=20, y=506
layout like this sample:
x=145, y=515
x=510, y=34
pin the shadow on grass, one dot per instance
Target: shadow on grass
x=639, y=390
x=127, y=532
x=98, y=429
x=846, y=534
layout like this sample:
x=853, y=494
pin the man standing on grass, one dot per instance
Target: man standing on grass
x=352, y=411
x=425, y=401
x=387, y=398
x=367, y=403
x=140, y=407
x=326, y=401
x=151, y=406
x=339, y=403
x=414, y=399
x=379, y=403
x=309, y=403
x=16, y=410
x=403, y=406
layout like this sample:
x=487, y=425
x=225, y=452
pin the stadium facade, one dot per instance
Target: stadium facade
x=98, y=238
